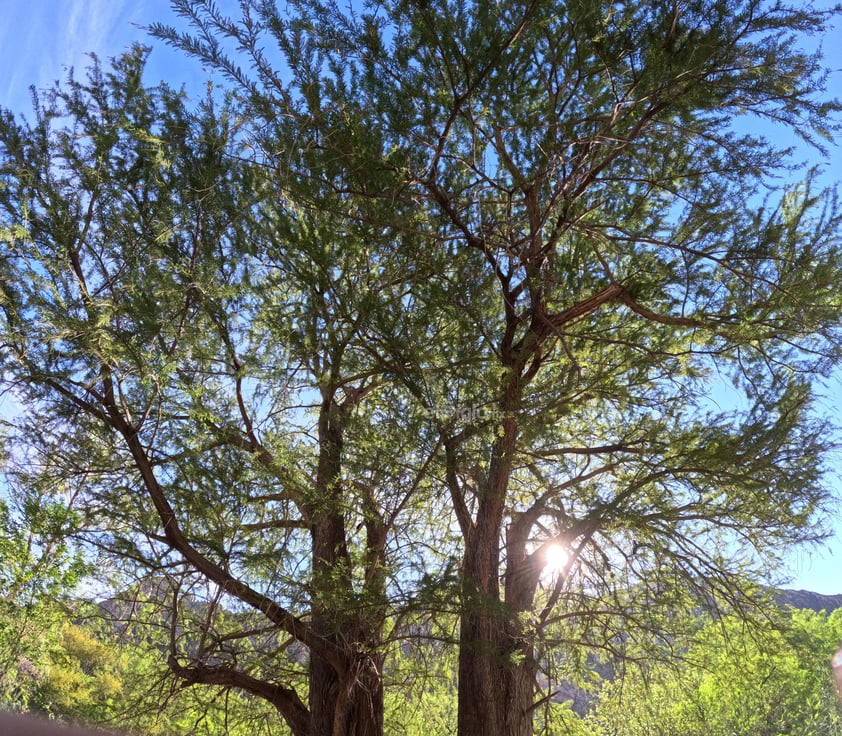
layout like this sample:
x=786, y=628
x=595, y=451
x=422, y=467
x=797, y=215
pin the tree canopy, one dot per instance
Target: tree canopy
x=332, y=358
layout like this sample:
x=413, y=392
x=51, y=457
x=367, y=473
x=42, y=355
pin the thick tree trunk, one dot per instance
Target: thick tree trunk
x=346, y=701
x=496, y=674
x=496, y=660
x=349, y=703
x=324, y=691
x=329, y=551
x=359, y=710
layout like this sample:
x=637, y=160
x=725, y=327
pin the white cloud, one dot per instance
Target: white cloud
x=41, y=39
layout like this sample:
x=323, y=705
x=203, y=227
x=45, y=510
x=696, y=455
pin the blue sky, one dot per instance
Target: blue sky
x=39, y=39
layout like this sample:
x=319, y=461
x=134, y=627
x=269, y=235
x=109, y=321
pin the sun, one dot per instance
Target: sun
x=556, y=557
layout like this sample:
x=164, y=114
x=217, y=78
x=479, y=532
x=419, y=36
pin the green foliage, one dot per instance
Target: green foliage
x=732, y=678
x=422, y=683
x=85, y=672
x=39, y=567
x=559, y=719
x=81, y=681
x=433, y=285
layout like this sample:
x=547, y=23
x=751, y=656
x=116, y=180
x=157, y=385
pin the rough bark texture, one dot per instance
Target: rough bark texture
x=496, y=676
x=496, y=666
x=345, y=700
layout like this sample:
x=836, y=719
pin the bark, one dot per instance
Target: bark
x=359, y=710
x=345, y=700
x=348, y=700
x=497, y=665
x=327, y=537
x=501, y=702
x=496, y=662
x=496, y=672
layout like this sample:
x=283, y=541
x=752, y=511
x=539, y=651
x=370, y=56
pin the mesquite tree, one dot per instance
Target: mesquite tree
x=613, y=247
x=441, y=281
x=189, y=346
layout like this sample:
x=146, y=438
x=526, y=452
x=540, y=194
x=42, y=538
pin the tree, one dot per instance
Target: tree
x=40, y=566
x=734, y=680
x=604, y=242
x=189, y=365
x=443, y=285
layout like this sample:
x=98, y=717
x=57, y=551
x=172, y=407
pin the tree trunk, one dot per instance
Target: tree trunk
x=359, y=710
x=496, y=673
x=496, y=659
x=347, y=702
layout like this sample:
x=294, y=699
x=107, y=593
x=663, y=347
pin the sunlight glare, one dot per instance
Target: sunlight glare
x=556, y=559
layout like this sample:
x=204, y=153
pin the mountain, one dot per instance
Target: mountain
x=808, y=600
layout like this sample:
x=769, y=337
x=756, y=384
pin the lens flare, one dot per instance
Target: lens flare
x=556, y=559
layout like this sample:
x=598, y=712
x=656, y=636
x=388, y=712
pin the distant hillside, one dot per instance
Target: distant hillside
x=809, y=600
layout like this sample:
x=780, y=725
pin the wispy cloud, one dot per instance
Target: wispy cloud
x=41, y=39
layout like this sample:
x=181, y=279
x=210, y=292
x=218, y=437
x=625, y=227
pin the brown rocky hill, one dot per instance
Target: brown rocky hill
x=808, y=600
